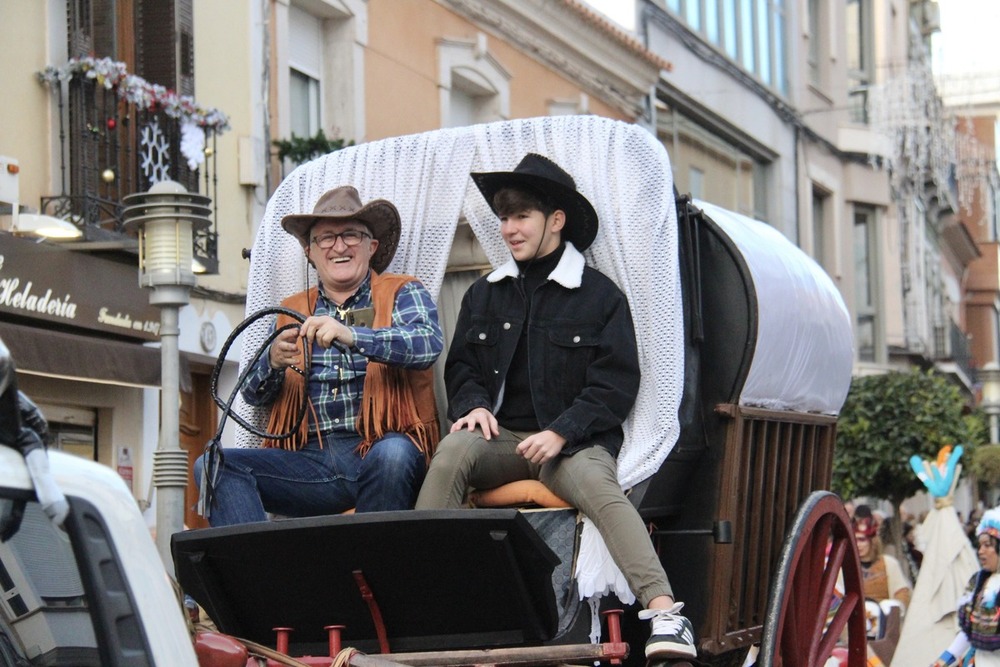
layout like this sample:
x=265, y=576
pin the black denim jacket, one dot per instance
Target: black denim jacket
x=583, y=360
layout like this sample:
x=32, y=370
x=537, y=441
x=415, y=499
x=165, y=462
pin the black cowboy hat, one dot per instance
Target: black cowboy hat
x=344, y=203
x=537, y=173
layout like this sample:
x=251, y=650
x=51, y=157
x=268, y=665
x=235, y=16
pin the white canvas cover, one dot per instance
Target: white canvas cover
x=804, y=353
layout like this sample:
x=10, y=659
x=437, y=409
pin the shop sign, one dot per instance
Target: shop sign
x=42, y=281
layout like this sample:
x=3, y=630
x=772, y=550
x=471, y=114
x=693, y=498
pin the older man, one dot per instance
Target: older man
x=363, y=358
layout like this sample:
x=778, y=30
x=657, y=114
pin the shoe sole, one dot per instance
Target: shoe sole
x=661, y=650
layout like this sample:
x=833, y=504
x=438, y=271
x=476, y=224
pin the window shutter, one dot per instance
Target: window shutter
x=165, y=43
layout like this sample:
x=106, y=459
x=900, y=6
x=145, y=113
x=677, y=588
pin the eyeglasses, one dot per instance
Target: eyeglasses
x=351, y=237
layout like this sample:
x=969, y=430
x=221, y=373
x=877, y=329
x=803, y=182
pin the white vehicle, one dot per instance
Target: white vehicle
x=91, y=593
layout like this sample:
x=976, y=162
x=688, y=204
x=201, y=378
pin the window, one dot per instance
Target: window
x=303, y=102
x=819, y=200
x=865, y=284
x=305, y=72
x=696, y=182
x=746, y=49
x=474, y=86
x=859, y=66
x=43, y=603
x=761, y=176
x=711, y=168
x=751, y=32
x=319, y=60
x=729, y=28
x=64, y=598
x=570, y=107
x=813, y=55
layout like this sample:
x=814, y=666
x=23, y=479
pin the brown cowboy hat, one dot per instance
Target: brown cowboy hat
x=537, y=173
x=344, y=203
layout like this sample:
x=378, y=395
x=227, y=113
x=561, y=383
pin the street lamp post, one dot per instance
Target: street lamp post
x=989, y=376
x=165, y=219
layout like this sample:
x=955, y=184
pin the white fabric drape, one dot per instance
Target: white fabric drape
x=621, y=168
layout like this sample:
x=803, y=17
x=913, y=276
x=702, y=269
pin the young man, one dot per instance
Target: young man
x=541, y=373
x=371, y=338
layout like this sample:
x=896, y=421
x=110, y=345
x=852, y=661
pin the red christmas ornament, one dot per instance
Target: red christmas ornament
x=112, y=123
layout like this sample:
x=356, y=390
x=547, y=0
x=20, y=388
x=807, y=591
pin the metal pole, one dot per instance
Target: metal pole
x=169, y=460
x=165, y=220
x=994, y=425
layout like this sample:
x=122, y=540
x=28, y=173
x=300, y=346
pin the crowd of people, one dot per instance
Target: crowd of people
x=361, y=361
x=888, y=572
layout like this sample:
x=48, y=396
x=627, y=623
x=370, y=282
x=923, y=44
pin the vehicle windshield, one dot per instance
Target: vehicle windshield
x=45, y=617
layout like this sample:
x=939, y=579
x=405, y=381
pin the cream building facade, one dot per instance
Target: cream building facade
x=86, y=134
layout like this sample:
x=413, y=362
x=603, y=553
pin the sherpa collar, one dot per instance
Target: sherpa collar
x=568, y=272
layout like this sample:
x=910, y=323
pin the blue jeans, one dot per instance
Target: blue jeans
x=314, y=481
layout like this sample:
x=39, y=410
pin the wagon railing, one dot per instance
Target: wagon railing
x=772, y=462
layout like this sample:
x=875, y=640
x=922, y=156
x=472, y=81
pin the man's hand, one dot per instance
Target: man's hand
x=541, y=447
x=480, y=418
x=326, y=331
x=285, y=350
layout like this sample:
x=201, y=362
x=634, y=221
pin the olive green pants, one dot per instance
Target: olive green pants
x=587, y=480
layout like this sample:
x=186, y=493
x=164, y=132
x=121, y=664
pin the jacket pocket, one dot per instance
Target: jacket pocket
x=572, y=348
x=482, y=333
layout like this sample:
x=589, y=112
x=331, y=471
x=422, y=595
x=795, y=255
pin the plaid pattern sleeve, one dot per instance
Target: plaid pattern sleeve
x=414, y=340
x=263, y=383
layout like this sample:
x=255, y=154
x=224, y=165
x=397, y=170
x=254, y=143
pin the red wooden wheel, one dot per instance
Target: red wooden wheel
x=799, y=630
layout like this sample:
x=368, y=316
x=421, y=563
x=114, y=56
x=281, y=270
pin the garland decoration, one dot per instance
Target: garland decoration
x=113, y=75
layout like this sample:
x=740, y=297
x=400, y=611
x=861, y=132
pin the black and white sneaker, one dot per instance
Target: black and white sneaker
x=672, y=635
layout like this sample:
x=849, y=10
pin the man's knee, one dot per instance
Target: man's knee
x=395, y=452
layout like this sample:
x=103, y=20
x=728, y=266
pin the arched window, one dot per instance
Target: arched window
x=475, y=88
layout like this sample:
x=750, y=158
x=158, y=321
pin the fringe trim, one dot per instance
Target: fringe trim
x=388, y=406
x=284, y=411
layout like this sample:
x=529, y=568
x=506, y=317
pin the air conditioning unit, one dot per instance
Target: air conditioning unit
x=10, y=199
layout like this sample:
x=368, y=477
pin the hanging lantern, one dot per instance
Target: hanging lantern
x=108, y=176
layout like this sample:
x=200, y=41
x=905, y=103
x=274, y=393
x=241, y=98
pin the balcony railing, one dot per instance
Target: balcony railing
x=952, y=344
x=119, y=135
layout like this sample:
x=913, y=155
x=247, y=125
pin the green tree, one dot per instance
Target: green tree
x=889, y=418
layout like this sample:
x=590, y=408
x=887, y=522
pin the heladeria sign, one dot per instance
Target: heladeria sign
x=44, y=282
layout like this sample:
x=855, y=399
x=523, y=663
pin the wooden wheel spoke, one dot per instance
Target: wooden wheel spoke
x=799, y=631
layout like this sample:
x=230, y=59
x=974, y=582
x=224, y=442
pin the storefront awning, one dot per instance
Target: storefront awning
x=73, y=357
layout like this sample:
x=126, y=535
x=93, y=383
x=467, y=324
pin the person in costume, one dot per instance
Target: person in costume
x=881, y=574
x=363, y=356
x=542, y=371
x=978, y=608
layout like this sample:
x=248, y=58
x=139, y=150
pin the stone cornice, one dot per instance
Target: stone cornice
x=574, y=41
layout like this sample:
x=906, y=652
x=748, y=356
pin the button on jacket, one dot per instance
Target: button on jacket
x=583, y=361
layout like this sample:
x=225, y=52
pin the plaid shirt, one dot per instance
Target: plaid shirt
x=336, y=380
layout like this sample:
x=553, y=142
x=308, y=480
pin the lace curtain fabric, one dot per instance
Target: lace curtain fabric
x=621, y=168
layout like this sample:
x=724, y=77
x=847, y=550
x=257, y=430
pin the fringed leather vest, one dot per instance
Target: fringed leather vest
x=394, y=400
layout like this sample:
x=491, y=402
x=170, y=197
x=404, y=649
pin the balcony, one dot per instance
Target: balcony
x=951, y=345
x=119, y=135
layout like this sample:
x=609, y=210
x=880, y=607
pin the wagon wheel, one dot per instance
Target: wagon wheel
x=796, y=630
